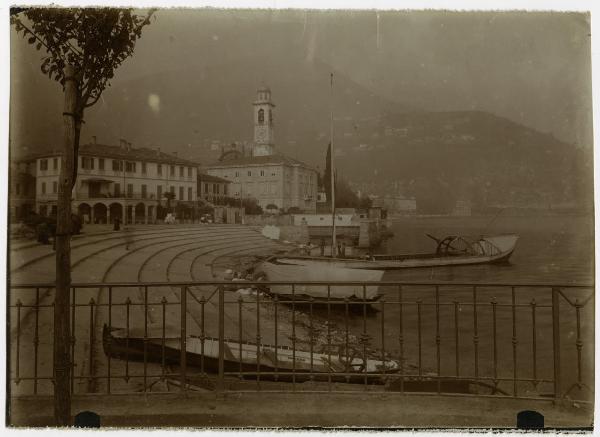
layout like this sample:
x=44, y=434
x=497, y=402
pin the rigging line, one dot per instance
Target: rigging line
x=492, y=220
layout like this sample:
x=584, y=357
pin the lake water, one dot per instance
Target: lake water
x=550, y=249
x=498, y=340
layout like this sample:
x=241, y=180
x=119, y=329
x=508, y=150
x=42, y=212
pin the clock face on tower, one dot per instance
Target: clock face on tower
x=260, y=134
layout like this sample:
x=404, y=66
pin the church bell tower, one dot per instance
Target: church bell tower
x=264, y=140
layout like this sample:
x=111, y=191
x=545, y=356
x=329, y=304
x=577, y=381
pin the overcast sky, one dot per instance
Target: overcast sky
x=530, y=67
x=533, y=68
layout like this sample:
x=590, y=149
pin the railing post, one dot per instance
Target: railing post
x=183, y=318
x=220, y=379
x=556, y=340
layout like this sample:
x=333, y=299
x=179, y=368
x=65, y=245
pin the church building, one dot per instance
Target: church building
x=273, y=179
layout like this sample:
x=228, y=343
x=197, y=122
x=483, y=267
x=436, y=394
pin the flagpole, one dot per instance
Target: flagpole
x=332, y=167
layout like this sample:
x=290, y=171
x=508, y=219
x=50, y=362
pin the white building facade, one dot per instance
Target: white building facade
x=271, y=178
x=120, y=181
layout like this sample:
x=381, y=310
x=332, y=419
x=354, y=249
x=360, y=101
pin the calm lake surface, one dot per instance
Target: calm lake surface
x=482, y=335
x=550, y=249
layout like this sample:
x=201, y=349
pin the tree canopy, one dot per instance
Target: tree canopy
x=95, y=41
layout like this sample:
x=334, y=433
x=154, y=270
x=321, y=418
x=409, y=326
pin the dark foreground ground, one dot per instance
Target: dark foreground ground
x=207, y=410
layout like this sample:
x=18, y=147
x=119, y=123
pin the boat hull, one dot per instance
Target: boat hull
x=490, y=250
x=274, y=364
x=283, y=271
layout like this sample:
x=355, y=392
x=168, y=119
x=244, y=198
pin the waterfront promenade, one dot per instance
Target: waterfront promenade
x=162, y=253
x=156, y=253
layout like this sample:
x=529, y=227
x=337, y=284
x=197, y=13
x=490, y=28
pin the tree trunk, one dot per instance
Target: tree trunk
x=62, y=324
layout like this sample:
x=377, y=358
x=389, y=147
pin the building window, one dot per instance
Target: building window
x=218, y=189
x=190, y=193
x=87, y=163
x=159, y=169
x=44, y=187
x=130, y=167
x=261, y=116
x=180, y=172
x=100, y=163
x=205, y=188
x=43, y=164
x=225, y=190
x=117, y=165
x=262, y=172
x=189, y=172
x=117, y=189
x=180, y=193
x=54, y=187
x=237, y=174
x=172, y=189
x=249, y=173
x=129, y=190
x=144, y=168
x=143, y=191
x=159, y=192
x=172, y=172
x=55, y=163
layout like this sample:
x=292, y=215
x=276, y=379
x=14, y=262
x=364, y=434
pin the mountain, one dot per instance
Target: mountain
x=382, y=147
x=467, y=155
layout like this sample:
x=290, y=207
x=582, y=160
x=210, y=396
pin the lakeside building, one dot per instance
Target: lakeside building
x=119, y=181
x=400, y=205
x=271, y=178
x=462, y=208
x=212, y=189
x=21, y=188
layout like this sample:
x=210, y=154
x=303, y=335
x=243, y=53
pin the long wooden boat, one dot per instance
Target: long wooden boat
x=298, y=365
x=450, y=251
x=278, y=269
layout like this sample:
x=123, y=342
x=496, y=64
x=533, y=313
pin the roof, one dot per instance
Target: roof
x=203, y=177
x=118, y=152
x=259, y=160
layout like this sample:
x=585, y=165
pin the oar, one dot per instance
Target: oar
x=434, y=238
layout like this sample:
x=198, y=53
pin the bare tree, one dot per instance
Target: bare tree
x=82, y=49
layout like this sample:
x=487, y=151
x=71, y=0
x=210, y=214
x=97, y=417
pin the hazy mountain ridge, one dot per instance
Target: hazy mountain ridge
x=470, y=155
x=385, y=147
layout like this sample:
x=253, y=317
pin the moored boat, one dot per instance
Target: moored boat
x=280, y=270
x=283, y=362
x=450, y=251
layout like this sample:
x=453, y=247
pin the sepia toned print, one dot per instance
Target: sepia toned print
x=293, y=218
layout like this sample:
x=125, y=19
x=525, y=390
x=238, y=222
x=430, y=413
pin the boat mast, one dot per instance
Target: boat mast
x=332, y=166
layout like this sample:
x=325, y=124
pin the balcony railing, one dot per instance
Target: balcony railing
x=147, y=196
x=469, y=339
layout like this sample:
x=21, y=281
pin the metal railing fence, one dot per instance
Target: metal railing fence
x=483, y=339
